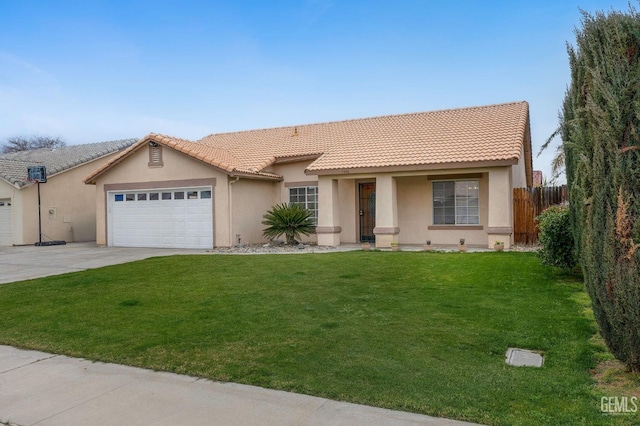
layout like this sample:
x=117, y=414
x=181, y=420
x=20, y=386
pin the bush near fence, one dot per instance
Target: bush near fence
x=529, y=203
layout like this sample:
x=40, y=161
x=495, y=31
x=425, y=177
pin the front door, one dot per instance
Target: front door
x=367, y=211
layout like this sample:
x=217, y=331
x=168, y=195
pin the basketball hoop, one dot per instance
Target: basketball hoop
x=37, y=174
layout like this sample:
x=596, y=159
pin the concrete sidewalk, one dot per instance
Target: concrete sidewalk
x=46, y=389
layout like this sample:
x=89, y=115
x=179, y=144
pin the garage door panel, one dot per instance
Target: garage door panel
x=6, y=230
x=181, y=220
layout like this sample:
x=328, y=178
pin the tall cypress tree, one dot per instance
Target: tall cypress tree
x=600, y=126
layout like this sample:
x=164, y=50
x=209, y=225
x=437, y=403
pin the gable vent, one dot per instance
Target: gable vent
x=155, y=155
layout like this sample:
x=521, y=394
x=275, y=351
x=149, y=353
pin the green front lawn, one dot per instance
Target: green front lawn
x=420, y=332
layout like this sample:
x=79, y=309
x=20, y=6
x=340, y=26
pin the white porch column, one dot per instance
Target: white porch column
x=500, y=223
x=328, y=229
x=386, y=229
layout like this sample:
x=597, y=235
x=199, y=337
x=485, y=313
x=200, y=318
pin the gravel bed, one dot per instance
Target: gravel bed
x=273, y=248
x=525, y=248
x=314, y=248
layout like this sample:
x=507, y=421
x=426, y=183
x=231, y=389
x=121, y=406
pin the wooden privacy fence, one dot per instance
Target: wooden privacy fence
x=528, y=203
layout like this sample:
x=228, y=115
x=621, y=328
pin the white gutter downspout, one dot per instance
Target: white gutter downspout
x=230, y=202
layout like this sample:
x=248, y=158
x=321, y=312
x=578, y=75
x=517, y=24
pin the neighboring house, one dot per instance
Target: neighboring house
x=68, y=206
x=537, y=178
x=441, y=175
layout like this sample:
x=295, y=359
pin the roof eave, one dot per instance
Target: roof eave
x=14, y=184
x=295, y=158
x=91, y=178
x=414, y=167
x=256, y=176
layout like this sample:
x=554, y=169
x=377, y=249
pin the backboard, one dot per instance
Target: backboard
x=37, y=174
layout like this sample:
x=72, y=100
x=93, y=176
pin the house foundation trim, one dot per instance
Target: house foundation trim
x=455, y=228
x=328, y=229
x=505, y=230
x=382, y=230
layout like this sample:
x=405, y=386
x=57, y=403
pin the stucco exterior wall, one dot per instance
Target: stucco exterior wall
x=348, y=200
x=414, y=209
x=293, y=174
x=500, y=227
x=518, y=172
x=251, y=199
x=176, y=166
x=7, y=190
x=67, y=207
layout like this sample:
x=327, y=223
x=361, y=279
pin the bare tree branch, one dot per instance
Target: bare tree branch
x=23, y=143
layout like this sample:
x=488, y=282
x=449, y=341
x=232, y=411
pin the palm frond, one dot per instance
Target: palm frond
x=545, y=145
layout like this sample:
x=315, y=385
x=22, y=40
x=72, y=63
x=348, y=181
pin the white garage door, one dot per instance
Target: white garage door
x=6, y=238
x=170, y=218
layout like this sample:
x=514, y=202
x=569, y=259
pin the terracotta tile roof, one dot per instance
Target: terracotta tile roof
x=466, y=135
x=494, y=133
x=208, y=154
x=13, y=166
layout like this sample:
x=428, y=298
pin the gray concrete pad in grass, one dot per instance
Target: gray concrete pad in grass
x=523, y=358
x=46, y=389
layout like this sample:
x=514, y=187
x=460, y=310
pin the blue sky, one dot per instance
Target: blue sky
x=91, y=71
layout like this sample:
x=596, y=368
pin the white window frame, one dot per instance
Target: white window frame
x=461, y=207
x=309, y=200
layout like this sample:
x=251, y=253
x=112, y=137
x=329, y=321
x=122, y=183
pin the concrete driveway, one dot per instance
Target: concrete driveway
x=27, y=262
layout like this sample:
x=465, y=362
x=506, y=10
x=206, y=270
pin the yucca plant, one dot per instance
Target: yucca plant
x=288, y=219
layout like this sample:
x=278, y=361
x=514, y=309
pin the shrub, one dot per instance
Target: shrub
x=288, y=219
x=556, y=238
x=599, y=126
